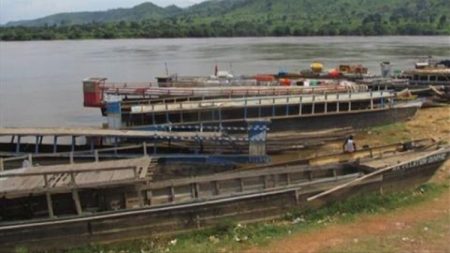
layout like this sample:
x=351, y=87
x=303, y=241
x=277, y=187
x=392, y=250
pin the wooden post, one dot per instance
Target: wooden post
x=197, y=190
x=18, y=144
x=76, y=199
x=337, y=103
x=91, y=142
x=149, y=197
x=167, y=117
x=144, y=147
x=241, y=183
x=193, y=194
x=55, y=144
x=266, y=182
x=116, y=143
x=71, y=158
x=313, y=109
x=48, y=197
x=36, y=145
x=217, y=187
x=136, y=174
x=172, y=194
x=287, y=106
x=245, y=109
x=297, y=197
x=300, y=106
x=75, y=195
x=350, y=102
x=2, y=166
x=96, y=155
x=30, y=159
x=371, y=100
x=73, y=143
x=140, y=196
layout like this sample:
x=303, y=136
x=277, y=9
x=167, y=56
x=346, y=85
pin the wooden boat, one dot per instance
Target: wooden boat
x=431, y=78
x=88, y=207
x=297, y=112
x=96, y=91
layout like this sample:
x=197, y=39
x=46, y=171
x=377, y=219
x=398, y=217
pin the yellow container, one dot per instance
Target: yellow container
x=317, y=67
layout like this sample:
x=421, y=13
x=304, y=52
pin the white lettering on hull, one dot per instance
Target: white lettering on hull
x=424, y=161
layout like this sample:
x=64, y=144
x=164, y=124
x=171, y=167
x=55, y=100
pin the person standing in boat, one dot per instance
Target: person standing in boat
x=349, y=145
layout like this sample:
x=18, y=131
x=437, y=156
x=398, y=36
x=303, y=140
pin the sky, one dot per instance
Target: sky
x=13, y=10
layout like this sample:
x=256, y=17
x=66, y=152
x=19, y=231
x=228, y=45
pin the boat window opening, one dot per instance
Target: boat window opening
x=433, y=78
x=442, y=78
x=424, y=78
x=416, y=77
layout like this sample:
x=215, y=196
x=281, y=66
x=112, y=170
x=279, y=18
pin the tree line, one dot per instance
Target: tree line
x=373, y=24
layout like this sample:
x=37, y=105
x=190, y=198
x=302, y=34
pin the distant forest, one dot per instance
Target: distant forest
x=241, y=18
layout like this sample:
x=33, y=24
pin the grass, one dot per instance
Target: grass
x=230, y=236
x=392, y=133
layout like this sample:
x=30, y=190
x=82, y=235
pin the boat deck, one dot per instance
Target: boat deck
x=259, y=102
x=64, y=178
x=395, y=158
x=96, y=132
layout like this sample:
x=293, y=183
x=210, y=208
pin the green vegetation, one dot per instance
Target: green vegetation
x=232, y=18
x=231, y=236
x=392, y=133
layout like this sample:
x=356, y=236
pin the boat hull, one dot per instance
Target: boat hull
x=355, y=120
x=179, y=218
x=359, y=117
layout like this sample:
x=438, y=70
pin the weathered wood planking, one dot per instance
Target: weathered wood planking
x=385, y=161
x=32, y=180
x=95, y=132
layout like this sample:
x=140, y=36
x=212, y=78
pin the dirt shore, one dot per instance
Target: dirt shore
x=424, y=227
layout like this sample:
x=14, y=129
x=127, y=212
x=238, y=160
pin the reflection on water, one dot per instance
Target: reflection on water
x=40, y=82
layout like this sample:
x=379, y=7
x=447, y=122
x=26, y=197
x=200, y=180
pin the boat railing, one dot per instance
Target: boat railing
x=151, y=92
x=95, y=154
x=262, y=101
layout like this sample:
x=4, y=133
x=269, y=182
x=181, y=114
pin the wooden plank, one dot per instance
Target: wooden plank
x=82, y=167
x=32, y=180
x=239, y=174
x=95, y=132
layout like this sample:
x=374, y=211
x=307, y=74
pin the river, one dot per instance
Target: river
x=40, y=81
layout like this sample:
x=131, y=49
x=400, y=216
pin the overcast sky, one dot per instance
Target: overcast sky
x=13, y=10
